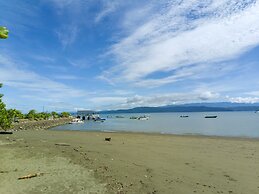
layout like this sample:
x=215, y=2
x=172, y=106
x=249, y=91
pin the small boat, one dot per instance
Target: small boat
x=119, y=117
x=210, y=117
x=143, y=118
x=99, y=119
x=184, y=116
x=133, y=117
x=76, y=121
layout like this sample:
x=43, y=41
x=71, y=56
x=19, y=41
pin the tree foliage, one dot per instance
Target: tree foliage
x=5, y=120
x=31, y=114
x=15, y=114
x=3, y=32
x=65, y=114
x=55, y=114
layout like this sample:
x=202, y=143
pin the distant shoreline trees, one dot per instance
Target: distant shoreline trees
x=7, y=117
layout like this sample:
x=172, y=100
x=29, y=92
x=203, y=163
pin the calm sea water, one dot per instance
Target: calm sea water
x=237, y=124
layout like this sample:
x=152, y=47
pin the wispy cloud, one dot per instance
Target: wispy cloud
x=45, y=59
x=67, y=77
x=182, y=34
x=80, y=63
x=61, y=4
x=67, y=34
x=107, y=8
x=117, y=102
x=11, y=74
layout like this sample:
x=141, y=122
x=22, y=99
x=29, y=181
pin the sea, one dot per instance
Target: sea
x=228, y=124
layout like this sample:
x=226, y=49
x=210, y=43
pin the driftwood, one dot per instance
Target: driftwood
x=30, y=176
x=62, y=144
x=6, y=132
x=107, y=138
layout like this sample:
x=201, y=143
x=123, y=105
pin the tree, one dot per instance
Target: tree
x=65, y=114
x=54, y=114
x=14, y=114
x=31, y=115
x=5, y=121
x=43, y=115
x=3, y=32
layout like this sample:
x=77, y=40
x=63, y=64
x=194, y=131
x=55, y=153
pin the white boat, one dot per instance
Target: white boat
x=143, y=118
x=76, y=121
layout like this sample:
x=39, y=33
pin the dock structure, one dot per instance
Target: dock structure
x=87, y=115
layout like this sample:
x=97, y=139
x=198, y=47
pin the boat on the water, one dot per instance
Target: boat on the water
x=184, y=116
x=143, y=118
x=133, y=117
x=119, y=117
x=211, y=117
x=99, y=119
x=76, y=121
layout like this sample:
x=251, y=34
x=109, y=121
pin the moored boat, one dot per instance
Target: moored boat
x=184, y=116
x=143, y=118
x=99, y=119
x=211, y=117
x=76, y=121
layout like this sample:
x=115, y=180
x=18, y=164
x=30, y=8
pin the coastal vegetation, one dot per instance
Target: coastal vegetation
x=9, y=116
x=5, y=121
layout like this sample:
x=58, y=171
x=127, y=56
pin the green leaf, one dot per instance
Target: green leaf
x=3, y=32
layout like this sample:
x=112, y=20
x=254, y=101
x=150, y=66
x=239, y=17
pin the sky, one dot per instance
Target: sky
x=66, y=55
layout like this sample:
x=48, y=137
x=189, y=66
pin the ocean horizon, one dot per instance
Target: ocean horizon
x=227, y=124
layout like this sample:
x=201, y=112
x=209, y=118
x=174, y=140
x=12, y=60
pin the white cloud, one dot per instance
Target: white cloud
x=244, y=99
x=171, y=41
x=116, y=102
x=207, y=95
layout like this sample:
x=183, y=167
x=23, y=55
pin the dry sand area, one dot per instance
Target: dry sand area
x=82, y=162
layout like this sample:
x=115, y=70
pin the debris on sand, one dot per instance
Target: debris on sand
x=6, y=132
x=62, y=144
x=107, y=138
x=30, y=176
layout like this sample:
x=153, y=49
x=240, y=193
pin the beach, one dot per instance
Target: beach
x=83, y=162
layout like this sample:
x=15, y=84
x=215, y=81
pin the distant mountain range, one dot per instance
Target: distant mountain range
x=193, y=107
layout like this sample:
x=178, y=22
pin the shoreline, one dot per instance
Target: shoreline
x=166, y=134
x=129, y=163
x=38, y=124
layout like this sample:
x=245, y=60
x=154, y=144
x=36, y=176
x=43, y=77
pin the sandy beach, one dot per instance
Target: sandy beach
x=82, y=162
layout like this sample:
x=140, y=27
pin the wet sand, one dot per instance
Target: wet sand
x=82, y=162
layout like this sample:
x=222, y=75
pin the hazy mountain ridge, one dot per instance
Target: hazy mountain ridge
x=193, y=107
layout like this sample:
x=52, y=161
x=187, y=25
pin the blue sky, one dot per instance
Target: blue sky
x=111, y=54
